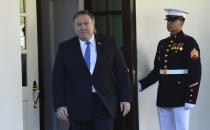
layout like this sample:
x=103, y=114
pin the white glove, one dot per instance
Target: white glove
x=139, y=86
x=188, y=106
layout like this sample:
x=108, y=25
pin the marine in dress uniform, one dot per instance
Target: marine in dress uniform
x=177, y=67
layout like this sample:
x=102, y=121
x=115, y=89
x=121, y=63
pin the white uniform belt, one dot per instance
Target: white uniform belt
x=175, y=71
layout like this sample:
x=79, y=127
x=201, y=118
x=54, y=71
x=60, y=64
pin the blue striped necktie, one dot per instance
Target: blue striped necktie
x=87, y=54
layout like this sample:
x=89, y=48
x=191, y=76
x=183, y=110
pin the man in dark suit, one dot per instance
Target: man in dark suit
x=90, y=78
x=177, y=67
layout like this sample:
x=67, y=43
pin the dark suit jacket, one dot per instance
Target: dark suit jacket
x=72, y=81
x=176, y=52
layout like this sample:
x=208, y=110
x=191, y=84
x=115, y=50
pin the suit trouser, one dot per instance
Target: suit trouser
x=176, y=118
x=101, y=120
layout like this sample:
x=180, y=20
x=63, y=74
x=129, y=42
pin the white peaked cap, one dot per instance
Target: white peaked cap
x=176, y=12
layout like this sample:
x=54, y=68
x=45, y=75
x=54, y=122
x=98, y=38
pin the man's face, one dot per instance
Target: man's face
x=84, y=27
x=174, y=26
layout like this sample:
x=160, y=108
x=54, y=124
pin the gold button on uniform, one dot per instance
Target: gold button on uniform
x=190, y=95
x=190, y=100
x=169, y=45
x=165, y=61
x=191, y=90
x=166, y=55
x=171, y=41
x=179, y=82
x=167, y=50
x=165, y=67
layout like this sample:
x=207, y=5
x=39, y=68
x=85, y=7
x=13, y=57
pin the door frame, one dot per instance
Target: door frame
x=130, y=53
x=40, y=64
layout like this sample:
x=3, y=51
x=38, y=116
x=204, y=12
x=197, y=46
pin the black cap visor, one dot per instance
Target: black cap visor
x=173, y=18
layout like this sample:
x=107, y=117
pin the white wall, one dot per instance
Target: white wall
x=151, y=27
x=10, y=67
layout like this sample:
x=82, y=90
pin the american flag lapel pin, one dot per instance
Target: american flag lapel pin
x=99, y=43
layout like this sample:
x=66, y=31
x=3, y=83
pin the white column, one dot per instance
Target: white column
x=10, y=67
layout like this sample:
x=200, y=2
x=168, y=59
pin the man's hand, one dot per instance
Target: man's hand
x=62, y=113
x=125, y=107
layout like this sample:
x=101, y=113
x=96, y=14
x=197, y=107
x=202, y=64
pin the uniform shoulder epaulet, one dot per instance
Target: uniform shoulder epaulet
x=193, y=47
x=190, y=39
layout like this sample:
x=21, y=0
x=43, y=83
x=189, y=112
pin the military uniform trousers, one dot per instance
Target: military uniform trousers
x=175, y=118
x=101, y=120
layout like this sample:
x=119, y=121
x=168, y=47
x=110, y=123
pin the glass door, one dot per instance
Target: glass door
x=29, y=58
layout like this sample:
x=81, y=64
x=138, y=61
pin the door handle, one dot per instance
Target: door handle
x=36, y=92
x=134, y=76
x=128, y=70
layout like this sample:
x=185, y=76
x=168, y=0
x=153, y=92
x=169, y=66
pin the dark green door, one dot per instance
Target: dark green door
x=109, y=18
x=117, y=18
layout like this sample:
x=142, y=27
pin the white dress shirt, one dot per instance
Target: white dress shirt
x=93, y=54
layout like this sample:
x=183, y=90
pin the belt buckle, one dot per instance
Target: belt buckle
x=165, y=71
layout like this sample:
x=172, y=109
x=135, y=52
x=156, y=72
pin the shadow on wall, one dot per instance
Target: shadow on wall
x=143, y=65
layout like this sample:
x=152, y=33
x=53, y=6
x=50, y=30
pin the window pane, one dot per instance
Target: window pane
x=101, y=24
x=22, y=6
x=99, y=5
x=116, y=28
x=24, y=70
x=115, y=5
x=22, y=33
